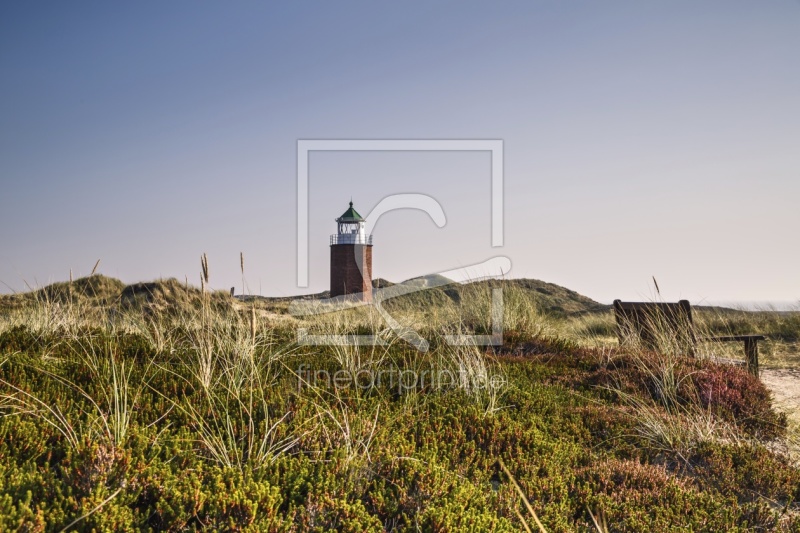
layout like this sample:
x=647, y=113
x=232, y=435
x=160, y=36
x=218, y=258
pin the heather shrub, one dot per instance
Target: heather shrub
x=238, y=444
x=643, y=497
x=726, y=391
x=746, y=470
x=737, y=396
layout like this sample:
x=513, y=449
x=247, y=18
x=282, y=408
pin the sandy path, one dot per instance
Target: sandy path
x=784, y=383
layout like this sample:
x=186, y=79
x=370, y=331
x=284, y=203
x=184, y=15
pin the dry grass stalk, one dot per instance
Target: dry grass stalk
x=204, y=267
x=253, y=323
x=241, y=266
x=524, y=498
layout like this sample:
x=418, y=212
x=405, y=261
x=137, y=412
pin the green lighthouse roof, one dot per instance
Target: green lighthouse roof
x=351, y=215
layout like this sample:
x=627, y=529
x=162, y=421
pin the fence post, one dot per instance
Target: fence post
x=751, y=352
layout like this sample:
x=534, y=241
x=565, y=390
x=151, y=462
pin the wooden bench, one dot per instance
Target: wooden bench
x=654, y=323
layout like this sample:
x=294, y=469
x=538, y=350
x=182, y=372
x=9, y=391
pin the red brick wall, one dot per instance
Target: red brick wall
x=346, y=276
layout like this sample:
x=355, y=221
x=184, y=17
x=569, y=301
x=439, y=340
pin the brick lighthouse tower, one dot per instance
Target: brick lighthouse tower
x=351, y=258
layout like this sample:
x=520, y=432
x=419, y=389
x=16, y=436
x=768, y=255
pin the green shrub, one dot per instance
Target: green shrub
x=368, y=460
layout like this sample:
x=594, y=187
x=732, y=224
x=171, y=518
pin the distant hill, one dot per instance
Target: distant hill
x=423, y=292
x=435, y=292
x=555, y=298
x=103, y=291
x=97, y=289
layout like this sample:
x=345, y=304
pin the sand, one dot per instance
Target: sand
x=784, y=383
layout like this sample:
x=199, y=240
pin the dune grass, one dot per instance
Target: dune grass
x=163, y=406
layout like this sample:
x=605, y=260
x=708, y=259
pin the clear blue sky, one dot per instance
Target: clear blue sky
x=641, y=139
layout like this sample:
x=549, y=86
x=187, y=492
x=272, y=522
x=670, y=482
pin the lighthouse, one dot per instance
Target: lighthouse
x=351, y=258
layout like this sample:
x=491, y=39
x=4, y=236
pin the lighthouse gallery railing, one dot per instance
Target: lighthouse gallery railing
x=346, y=238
